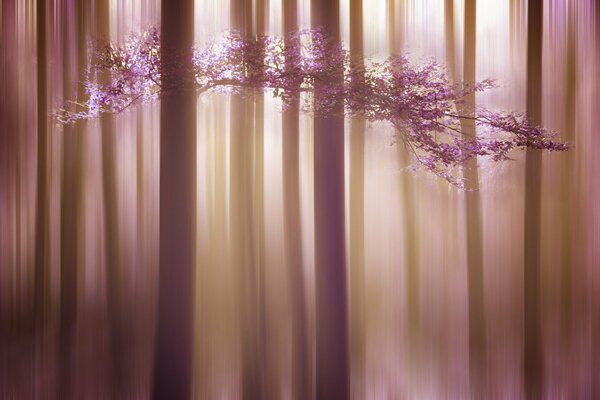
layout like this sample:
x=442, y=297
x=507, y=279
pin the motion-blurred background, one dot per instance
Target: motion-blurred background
x=441, y=301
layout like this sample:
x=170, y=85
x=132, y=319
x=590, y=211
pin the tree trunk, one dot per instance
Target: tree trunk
x=74, y=13
x=515, y=11
x=568, y=181
x=173, y=353
x=451, y=197
x=409, y=221
x=357, y=219
x=301, y=382
x=242, y=228
x=42, y=198
x=261, y=12
x=449, y=33
x=332, y=361
x=532, y=350
x=112, y=241
x=595, y=236
x=476, y=299
x=8, y=140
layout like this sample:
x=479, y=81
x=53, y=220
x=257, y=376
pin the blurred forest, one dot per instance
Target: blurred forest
x=222, y=246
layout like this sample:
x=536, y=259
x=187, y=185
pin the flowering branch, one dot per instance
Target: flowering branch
x=420, y=102
x=426, y=109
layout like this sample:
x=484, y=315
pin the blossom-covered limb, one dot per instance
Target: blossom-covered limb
x=420, y=101
x=426, y=110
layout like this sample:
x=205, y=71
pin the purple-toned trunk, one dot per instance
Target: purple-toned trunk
x=173, y=348
x=532, y=346
x=74, y=24
x=332, y=361
x=41, y=213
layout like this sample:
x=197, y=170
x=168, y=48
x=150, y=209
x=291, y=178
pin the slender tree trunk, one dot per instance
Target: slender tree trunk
x=514, y=21
x=41, y=214
x=332, y=360
x=112, y=241
x=568, y=178
x=517, y=44
x=173, y=353
x=75, y=17
x=301, y=379
x=262, y=12
x=476, y=299
x=217, y=281
x=141, y=213
x=409, y=221
x=451, y=196
x=3, y=167
x=17, y=212
x=532, y=350
x=242, y=204
x=8, y=132
x=357, y=219
x=595, y=236
x=449, y=36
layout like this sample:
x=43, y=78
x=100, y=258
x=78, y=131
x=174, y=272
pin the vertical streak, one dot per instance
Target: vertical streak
x=512, y=22
x=71, y=189
x=409, y=221
x=357, y=217
x=532, y=350
x=568, y=185
x=450, y=195
x=301, y=383
x=475, y=283
x=42, y=198
x=595, y=231
x=332, y=361
x=178, y=164
x=9, y=45
x=112, y=238
x=261, y=12
x=241, y=211
x=449, y=33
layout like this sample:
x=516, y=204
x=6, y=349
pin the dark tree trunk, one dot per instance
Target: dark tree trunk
x=75, y=18
x=41, y=213
x=332, y=361
x=173, y=353
x=476, y=300
x=532, y=350
x=301, y=382
x=8, y=140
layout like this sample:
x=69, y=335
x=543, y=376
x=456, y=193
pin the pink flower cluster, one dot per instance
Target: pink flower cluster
x=421, y=102
x=134, y=69
x=428, y=112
